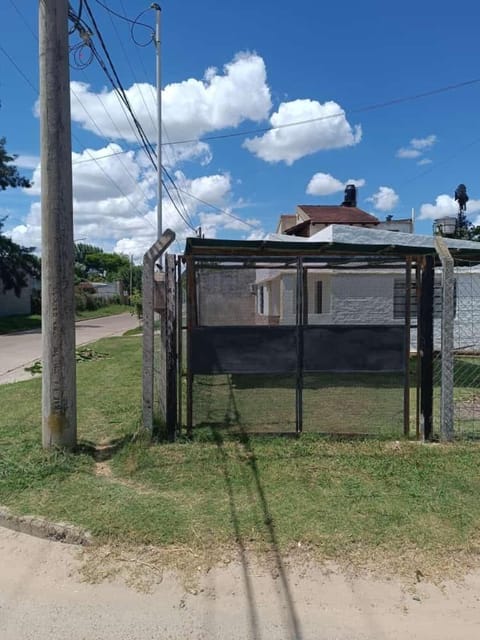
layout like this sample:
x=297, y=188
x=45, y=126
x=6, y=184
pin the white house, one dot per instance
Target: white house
x=12, y=305
x=352, y=294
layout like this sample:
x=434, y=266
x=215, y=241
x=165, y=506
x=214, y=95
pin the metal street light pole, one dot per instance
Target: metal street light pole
x=158, y=10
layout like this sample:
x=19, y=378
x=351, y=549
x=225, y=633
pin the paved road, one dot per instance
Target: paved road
x=18, y=350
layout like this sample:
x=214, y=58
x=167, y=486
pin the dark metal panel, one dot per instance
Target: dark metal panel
x=253, y=349
x=273, y=349
x=353, y=348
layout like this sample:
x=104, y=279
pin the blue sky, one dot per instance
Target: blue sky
x=233, y=67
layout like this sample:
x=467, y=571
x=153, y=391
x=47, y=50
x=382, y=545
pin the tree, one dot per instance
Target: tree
x=9, y=176
x=93, y=263
x=17, y=263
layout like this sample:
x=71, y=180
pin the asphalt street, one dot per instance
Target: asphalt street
x=18, y=350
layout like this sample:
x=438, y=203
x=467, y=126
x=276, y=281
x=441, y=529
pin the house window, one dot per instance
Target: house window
x=261, y=300
x=399, y=299
x=319, y=297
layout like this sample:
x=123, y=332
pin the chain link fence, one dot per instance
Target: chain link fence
x=467, y=350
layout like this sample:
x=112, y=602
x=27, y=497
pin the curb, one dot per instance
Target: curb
x=41, y=528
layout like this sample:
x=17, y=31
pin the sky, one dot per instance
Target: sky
x=382, y=95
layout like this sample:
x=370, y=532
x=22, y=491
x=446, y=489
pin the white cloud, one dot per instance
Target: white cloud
x=114, y=203
x=416, y=147
x=359, y=183
x=324, y=184
x=424, y=161
x=256, y=235
x=190, y=108
x=24, y=161
x=423, y=143
x=408, y=153
x=214, y=189
x=445, y=205
x=330, y=129
x=385, y=199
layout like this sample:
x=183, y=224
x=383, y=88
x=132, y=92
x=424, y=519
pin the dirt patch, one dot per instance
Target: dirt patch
x=281, y=598
x=104, y=470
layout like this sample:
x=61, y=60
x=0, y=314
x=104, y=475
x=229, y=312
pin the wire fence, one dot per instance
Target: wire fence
x=270, y=341
x=467, y=350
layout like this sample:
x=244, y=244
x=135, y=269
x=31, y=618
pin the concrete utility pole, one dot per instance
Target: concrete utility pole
x=158, y=10
x=59, y=406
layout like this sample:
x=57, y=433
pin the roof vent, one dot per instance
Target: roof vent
x=350, y=196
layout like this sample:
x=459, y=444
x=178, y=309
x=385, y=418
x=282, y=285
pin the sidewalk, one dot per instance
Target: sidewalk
x=19, y=350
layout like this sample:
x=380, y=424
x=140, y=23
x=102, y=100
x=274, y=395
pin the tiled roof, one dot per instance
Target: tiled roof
x=336, y=214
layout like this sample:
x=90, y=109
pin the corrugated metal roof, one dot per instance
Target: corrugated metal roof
x=334, y=240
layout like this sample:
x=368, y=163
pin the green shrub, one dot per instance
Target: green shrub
x=36, y=302
x=80, y=301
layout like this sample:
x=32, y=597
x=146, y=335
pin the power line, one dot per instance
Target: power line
x=219, y=209
x=84, y=149
x=372, y=107
x=147, y=145
x=127, y=59
x=82, y=27
x=24, y=20
x=320, y=118
x=177, y=208
x=27, y=80
x=134, y=22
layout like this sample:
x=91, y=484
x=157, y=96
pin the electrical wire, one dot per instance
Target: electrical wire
x=12, y=61
x=148, y=147
x=113, y=77
x=24, y=20
x=84, y=149
x=372, y=107
x=134, y=22
x=183, y=214
x=177, y=208
x=219, y=209
x=377, y=106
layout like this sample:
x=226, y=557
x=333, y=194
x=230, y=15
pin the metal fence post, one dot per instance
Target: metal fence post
x=299, y=322
x=426, y=348
x=448, y=314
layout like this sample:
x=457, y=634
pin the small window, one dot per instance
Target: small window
x=319, y=297
x=261, y=300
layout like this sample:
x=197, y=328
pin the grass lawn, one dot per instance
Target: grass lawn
x=11, y=324
x=338, y=403
x=377, y=501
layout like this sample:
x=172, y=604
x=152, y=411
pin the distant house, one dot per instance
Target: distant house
x=309, y=219
x=334, y=296
x=12, y=305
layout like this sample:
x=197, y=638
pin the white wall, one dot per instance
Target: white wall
x=363, y=298
x=348, y=298
x=10, y=305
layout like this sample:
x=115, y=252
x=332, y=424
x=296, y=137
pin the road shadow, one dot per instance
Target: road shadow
x=259, y=496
